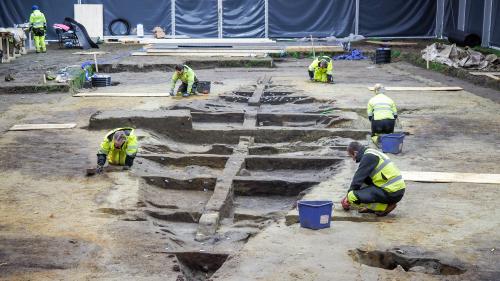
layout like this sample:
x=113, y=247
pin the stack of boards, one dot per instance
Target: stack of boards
x=226, y=47
x=212, y=47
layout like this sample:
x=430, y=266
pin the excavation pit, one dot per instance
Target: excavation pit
x=199, y=266
x=391, y=259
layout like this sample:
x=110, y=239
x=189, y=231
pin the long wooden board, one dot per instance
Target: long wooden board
x=392, y=43
x=213, y=50
x=26, y=127
x=122, y=95
x=450, y=177
x=188, y=54
x=492, y=75
x=420, y=88
x=316, y=49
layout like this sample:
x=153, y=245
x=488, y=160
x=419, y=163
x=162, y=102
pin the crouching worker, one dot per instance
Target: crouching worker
x=382, y=113
x=188, y=78
x=119, y=147
x=321, y=70
x=377, y=184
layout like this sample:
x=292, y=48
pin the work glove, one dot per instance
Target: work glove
x=99, y=169
x=311, y=75
x=370, y=118
x=330, y=79
x=345, y=204
x=396, y=116
x=171, y=93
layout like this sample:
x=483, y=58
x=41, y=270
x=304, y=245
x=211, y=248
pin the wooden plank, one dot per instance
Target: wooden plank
x=491, y=75
x=484, y=73
x=450, y=177
x=188, y=54
x=420, y=88
x=213, y=50
x=316, y=49
x=25, y=127
x=122, y=95
x=91, y=53
x=392, y=43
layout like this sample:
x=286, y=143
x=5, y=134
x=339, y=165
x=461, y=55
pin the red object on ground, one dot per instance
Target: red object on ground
x=345, y=204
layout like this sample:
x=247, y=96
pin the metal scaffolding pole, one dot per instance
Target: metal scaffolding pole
x=488, y=7
x=220, y=18
x=462, y=6
x=172, y=17
x=356, y=19
x=440, y=18
x=266, y=18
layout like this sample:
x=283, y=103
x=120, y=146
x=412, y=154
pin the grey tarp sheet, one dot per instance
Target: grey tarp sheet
x=18, y=11
x=319, y=18
x=450, y=16
x=397, y=18
x=243, y=18
x=474, y=14
x=196, y=18
x=495, y=24
x=149, y=13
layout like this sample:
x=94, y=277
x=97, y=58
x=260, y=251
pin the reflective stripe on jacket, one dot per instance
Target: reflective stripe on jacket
x=381, y=107
x=37, y=19
x=386, y=175
x=187, y=76
x=314, y=66
x=118, y=156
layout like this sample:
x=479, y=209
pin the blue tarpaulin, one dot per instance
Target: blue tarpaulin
x=354, y=55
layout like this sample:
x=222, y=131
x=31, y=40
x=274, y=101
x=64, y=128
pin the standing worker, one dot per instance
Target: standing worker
x=38, y=25
x=382, y=113
x=321, y=70
x=188, y=78
x=119, y=147
x=383, y=184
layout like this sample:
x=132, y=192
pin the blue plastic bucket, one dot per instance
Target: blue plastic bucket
x=392, y=143
x=315, y=214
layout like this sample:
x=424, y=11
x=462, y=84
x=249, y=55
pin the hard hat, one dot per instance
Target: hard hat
x=119, y=139
x=323, y=64
x=34, y=7
x=379, y=88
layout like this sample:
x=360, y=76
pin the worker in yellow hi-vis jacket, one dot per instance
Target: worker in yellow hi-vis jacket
x=38, y=25
x=119, y=147
x=321, y=70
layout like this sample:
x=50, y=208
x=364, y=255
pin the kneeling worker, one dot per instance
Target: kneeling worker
x=188, y=78
x=119, y=147
x=384, y=183
x=382, y=113
x=321, y=70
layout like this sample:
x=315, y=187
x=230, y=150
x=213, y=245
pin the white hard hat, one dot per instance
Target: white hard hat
x=378, y=88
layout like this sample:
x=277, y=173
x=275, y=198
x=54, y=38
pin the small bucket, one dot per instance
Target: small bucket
x=203, y=87
x=315, y=214
x=392, y=143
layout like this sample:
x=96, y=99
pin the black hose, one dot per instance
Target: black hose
x=115, y=24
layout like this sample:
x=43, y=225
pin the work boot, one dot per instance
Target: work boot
x=185, y=95
x=365, y=210
x=389, y=209
x=345, y=204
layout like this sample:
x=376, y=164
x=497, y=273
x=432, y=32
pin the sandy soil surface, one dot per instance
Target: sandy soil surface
x=57, y=224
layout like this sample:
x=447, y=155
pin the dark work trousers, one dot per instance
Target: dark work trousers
x=183, y=87
x=380, y=127
x=373, y=194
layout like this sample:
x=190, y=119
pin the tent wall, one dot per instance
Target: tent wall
x=319, y=18
x=396, y=18
x=282, y=18
x=18, y=11
x=158, y=11
x=495, y=24
x=243, y=18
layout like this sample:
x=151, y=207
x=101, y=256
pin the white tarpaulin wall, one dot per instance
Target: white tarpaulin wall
x=283, y=18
